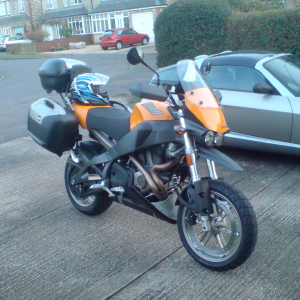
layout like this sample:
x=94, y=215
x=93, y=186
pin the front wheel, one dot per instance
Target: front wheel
x=233, y=233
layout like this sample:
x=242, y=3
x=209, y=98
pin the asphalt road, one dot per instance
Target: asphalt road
x=21, y=85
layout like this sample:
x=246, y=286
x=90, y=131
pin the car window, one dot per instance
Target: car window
x=120, y=32
x=108, y=32
x=287, y=70
x=130, y=31
x=237, y=78
x=20, y=38
x=12, y=38
x=2, y=40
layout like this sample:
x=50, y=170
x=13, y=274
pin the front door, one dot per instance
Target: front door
x=246, y=112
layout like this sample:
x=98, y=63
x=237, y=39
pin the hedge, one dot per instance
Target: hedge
x=188, y=28
x=274, y=30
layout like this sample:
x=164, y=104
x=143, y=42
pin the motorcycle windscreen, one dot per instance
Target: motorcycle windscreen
x=199, y=98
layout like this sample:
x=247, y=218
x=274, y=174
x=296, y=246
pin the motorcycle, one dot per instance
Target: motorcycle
x=147, y=158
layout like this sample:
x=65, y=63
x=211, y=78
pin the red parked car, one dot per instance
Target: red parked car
x=122, y=36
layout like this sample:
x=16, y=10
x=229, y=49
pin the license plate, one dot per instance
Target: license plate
x=104, y=39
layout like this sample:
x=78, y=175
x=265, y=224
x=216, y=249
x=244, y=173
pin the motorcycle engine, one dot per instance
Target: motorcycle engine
x=157, y=155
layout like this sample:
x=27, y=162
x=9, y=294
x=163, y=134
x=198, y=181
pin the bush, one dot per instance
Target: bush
x=274, y=30
x=65, y=32
x=188, y=28
x=37, y=35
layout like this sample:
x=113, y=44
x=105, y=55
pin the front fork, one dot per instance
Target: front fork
x=199, y=190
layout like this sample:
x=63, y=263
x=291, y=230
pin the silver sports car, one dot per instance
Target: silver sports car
x=261, y=97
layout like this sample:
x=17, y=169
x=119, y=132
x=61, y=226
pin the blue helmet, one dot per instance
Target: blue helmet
x=85, y=89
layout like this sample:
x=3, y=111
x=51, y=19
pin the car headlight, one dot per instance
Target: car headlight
x=218, y=140
x=209, y=138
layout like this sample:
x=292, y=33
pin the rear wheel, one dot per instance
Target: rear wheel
x=92, y=205
x=119, y=45
x=104, y=48
x=145, y=41
x=233, y=233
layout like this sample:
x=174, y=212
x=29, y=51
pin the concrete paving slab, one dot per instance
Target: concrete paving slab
x=48, y=250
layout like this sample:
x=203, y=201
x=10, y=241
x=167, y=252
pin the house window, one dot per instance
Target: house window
x=6, y=31
x=79, y=25
x=102, y=22
x=73, y=2
x=4, y=8
x=66, y=3
x=58, y=27
x=49, y=4
x=21, y=5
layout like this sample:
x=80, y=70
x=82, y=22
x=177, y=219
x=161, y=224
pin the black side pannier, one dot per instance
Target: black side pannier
x=52, y=126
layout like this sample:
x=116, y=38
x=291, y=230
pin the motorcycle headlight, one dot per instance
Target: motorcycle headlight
x=209, y=138
x=218, y=140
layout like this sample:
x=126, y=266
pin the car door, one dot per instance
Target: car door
x=246, y=112
x=127, y=37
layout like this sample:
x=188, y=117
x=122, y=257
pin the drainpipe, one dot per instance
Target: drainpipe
x=30, y=12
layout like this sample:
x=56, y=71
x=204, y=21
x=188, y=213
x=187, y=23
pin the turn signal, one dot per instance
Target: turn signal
x=179, y=130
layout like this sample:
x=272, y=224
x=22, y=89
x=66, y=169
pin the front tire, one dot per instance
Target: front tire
x=233, y=235
x=92, y=205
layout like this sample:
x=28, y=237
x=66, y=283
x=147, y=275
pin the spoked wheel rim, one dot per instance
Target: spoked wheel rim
x=76, y=190
x=223, y=241
x=145, y=41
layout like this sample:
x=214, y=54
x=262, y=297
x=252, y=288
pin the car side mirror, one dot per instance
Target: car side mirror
x=263, y=88
x=207, y=69
x=135, y=56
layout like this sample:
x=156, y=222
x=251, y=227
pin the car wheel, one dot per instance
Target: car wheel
x=104, y=48
x=119, y=45
x=145, y=41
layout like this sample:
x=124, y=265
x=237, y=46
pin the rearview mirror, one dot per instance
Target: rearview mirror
x=263, y=88
x=135, y=56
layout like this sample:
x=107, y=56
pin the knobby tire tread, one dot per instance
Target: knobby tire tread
x=248, y=221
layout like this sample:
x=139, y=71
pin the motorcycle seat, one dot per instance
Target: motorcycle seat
x=114, y=122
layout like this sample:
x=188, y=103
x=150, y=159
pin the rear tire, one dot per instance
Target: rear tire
x=119, y=45
x=104, y=48
x=233, y=235
x=92, y=205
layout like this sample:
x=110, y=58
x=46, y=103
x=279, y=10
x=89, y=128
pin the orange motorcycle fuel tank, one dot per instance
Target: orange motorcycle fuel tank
x=149, y=111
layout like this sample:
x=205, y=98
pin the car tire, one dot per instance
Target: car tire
x=119, y=45
x=145, y=41
x=104, y=48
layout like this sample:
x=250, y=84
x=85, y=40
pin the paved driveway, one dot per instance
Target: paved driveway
x=48, y=250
